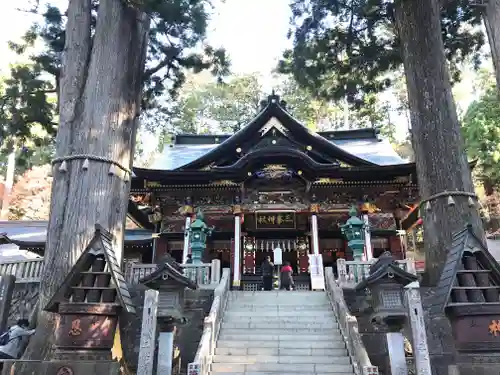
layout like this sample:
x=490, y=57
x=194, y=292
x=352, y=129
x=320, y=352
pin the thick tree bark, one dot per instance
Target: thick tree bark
x=100, y=89
x=491, y=17
x=436, y=137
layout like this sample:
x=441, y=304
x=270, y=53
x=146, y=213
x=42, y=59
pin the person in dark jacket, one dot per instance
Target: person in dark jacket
x=267, y=268
x=286, y=277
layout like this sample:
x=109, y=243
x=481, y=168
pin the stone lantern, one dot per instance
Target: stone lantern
x=385, y=285
x=171, y=284
x=353, y=230
x=198, y=233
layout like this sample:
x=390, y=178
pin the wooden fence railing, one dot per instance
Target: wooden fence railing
x=30, y=271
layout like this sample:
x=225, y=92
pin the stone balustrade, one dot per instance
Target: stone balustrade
x=30, y=271
x=351, y=272
x=211, y=327
x=348, y=327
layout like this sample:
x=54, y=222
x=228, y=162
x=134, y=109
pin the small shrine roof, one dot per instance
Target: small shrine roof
x=169, y=269
x=470, y=278
x=99, y=246
x=385, y=265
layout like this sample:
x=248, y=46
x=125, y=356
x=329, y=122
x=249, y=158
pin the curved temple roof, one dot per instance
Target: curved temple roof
x=361, y=147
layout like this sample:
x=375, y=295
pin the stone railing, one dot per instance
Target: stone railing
x=351, y=272
x=202, y=274
x=348, y=327
x=211, y=327
x=25, y=271
x=30, y=271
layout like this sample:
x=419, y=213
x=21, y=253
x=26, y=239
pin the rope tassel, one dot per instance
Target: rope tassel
x=451, y=201
x=85, y=165
x=112, y=170
x=63, y=168
x=471, y=202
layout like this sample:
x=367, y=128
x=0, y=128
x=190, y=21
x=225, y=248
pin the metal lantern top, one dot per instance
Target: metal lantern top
x=353, y=228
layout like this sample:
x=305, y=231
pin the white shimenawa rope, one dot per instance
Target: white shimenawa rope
x=85, y=166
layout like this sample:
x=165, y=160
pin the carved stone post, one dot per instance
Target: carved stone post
x=166, y=349
x=148, y=333
x=417, y=325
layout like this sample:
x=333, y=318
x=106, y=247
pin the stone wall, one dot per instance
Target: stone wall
x=197, y=306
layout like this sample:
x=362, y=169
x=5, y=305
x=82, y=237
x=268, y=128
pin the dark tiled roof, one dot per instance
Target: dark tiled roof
x=173, y=272
x=34, y=233
x=99, y=247
x=374, y=150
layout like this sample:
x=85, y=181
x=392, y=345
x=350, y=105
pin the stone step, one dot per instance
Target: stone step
x=281, y=351
x=270, y=314
x=287, y=359
x=299, y=319
x=277, y=337
x=294, y=344
x=278, y=373
x=277, y=304
x=279, y=331
x=279, y=323
x=281, y=368
x=297, y=309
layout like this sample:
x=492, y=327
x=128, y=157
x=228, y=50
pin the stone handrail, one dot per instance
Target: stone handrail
x=348, y=327
x=351, y=272
x=211, y=327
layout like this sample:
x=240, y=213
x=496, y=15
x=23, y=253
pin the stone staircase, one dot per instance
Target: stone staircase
x=280, y=332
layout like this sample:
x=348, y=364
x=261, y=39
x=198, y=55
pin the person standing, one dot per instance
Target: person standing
x=286, y=277
x=267, y=269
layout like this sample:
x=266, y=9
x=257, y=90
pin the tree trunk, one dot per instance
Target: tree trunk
x=100, y=90
x=436, y=137
x=491, y=17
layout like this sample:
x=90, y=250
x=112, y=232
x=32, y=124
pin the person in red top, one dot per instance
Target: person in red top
x=286, y=277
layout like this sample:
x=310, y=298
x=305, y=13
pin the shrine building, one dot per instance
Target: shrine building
x=276, y=184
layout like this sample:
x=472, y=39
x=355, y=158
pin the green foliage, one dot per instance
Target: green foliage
x=176, y=37
x=207, y=107
x=349, y=48
x=481, y=129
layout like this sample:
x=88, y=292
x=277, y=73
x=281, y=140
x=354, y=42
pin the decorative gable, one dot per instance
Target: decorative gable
x=95, y=279
x=273, y=124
